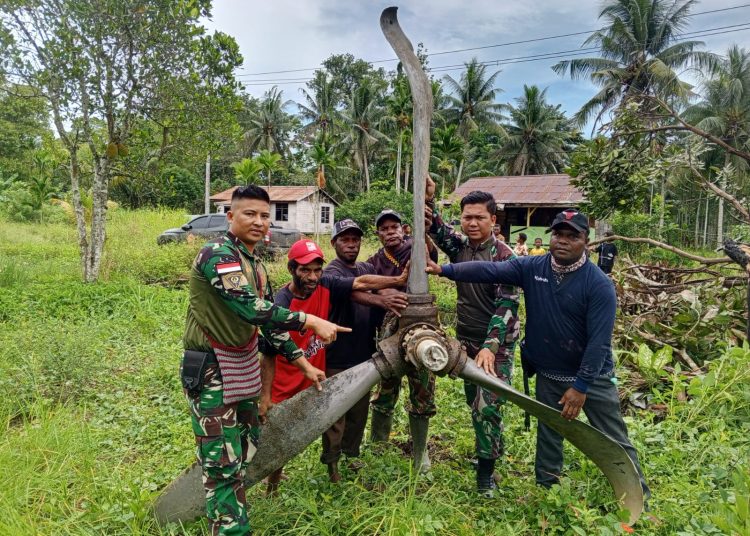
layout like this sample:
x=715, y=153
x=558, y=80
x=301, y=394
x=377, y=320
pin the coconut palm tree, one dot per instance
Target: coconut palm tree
x=473, y=98
x=398, y=116
x=362, y=117
x=269, y=125
x=447, y=153
x=269, y=162
x=538, y=135
x=320, y=109
x=724, y=112
x=247, y=170
x=640, y=54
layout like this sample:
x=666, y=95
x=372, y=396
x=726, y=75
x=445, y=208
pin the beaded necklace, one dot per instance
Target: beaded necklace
x=391, y=258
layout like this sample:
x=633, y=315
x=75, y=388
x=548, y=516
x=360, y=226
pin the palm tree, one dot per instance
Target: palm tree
x=247, y=170
x=538, y=135
x=447, y=153
x=399, y=112
x=639, y=54
x=320, y=110
x=269, y=162
x=474, y=98
x=269, y=126
x=725, y=113
x=362, y=117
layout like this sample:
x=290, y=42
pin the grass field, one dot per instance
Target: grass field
x=95, y=423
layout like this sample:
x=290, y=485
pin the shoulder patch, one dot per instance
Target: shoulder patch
x=233, y=280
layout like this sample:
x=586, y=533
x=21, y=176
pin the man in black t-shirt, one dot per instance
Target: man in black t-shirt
x=351, y=349
x=607, y=252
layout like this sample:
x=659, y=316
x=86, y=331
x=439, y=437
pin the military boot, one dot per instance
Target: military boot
x=380, y=427
x=485, y=478
x=418, y=427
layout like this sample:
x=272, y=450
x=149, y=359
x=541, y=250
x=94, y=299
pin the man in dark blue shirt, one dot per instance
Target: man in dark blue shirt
x=570, y=307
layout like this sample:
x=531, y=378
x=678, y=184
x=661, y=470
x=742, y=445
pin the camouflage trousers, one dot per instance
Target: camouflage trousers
x=421, y=394
x=226, y=436
x=486, y=406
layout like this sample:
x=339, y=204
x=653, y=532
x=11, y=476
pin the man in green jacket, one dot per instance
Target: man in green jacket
x=230, y=299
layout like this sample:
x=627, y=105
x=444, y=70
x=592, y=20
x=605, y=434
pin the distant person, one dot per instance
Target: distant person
x=607, y=252
x=521, y=249
x=537, y=249
x=344, y=437
x=570, y=316
x=407, y=230
x=390, y=260
x=312, y=292
x=498, y=233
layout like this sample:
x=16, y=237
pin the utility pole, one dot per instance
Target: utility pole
x=207, y=193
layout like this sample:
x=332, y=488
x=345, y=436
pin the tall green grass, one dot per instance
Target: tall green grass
x=95, y=423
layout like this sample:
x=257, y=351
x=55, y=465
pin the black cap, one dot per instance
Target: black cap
x=345, y=225
x=387, y=213
x=572, y=218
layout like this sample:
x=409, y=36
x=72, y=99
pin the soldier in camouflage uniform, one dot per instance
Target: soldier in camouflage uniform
x=487, y=323
x=230, y=298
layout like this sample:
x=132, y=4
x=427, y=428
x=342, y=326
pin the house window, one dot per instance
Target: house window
x=325, y=214
x=282, y=211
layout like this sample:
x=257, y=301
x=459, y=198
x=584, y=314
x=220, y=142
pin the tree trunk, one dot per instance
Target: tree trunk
x=697, y=221
x=367, y=172
x=207, y=187
x=459, y=173
x=398, y=160
x=407, y=171
x=663, y=204
x=98, y=220
x=705, y=223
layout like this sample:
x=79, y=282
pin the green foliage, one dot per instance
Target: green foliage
x=365, y=207
x=181, y=189
x=612, y=175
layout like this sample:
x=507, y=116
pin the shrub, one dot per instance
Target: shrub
x=364, y=208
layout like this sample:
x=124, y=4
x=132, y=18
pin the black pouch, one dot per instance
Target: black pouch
x=192, y=369
x=528, y=368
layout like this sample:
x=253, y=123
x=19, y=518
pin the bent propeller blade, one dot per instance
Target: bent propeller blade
x=292, y=425
x=421, y=95
x=606, y=453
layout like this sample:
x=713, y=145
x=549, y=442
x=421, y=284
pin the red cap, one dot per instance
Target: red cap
x=305, y=251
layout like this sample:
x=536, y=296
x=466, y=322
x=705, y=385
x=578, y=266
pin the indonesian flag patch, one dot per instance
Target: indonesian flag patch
x=228, y=267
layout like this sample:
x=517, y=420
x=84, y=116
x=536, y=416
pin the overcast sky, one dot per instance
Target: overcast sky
x=278, y=35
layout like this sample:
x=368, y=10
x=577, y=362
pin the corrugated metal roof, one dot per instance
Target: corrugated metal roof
x=276, y=193
x=525, y=190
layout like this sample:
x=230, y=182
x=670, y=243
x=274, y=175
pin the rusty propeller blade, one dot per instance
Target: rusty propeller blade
x=292, y=425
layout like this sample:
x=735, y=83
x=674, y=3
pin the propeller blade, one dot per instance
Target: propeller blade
x=292, y=425
x=607, y=454
x=421, y=96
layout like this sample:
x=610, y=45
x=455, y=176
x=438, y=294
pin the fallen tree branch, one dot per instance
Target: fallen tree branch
x=656, y=243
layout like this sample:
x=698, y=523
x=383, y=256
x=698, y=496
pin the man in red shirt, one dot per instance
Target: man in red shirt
x=312, y=292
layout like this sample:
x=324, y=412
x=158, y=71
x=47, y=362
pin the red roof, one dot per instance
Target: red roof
x=276, y=193
x=525, y=190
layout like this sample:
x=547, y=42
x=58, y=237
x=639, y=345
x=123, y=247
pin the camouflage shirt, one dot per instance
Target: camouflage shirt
x=487, y=313
x=230, y=298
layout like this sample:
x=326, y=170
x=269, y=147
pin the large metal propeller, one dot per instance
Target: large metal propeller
x=416, y=340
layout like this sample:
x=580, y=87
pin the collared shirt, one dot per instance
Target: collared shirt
x=230, y=297
x=487, y=313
